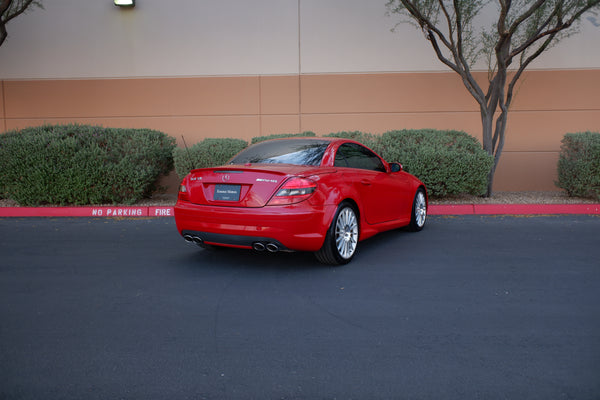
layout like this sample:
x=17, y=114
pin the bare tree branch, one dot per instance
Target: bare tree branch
x=433, y=33
x=9, y=10
x=524, y=64
x=542, y=32
x=534, y=7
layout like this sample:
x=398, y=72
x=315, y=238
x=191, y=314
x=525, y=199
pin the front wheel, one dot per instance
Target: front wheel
x=342, y=237
x=419, y=211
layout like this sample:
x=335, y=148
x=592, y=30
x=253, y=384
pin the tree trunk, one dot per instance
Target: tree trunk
x=487, y=122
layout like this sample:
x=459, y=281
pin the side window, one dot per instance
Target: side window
x=355, y=156
x=340, y=157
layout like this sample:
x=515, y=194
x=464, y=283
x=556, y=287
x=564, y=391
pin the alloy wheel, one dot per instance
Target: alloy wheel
x=346, y=233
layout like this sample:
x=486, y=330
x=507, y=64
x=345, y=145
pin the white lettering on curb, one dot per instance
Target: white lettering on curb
x=124, y=212
x=117, y=212
x=162, y=212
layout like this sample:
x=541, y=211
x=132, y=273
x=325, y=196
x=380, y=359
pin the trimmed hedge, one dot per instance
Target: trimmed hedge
x=579, y=165
x=212, y=152
x=448, y=162
x=207, y=153
x=81, y=164
x=368, y=139
x=258, y=139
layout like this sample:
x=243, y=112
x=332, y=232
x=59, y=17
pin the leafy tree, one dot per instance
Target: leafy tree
x=521, y=32
x=10, y=9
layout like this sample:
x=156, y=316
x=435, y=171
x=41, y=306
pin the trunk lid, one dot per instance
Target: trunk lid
x=241, y=186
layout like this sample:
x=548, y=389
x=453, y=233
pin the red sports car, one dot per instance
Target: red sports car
x=322, y=195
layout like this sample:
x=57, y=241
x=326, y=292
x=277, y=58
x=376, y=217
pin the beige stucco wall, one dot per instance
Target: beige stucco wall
x=548, y=105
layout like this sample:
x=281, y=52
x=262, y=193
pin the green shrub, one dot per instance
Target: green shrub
x=579, y=165
x=207, y=153
x=282, y=135
x=448, y=162
x=368, y=139
x=80, y=164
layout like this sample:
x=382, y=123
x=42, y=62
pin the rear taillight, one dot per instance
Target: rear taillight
x=293, y=191
x=183, y=193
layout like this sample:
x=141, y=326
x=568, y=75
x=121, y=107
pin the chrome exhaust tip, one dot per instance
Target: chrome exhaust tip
x=188, y=238
x=197, y=240
x=258, y=246
x=272, y=247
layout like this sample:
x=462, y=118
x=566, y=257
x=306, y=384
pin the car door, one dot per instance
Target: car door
x=381, y=193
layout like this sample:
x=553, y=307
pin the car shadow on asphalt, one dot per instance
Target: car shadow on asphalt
x=231, y=259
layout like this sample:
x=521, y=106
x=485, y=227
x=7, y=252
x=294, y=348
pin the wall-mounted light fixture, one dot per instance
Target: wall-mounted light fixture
x=125, y=3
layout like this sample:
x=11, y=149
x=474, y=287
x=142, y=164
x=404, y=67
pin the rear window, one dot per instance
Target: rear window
x=293, y=151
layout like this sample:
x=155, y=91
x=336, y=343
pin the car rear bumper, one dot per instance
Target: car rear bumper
x=298, y=227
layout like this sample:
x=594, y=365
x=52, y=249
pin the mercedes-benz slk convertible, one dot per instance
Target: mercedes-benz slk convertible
x=320, y=195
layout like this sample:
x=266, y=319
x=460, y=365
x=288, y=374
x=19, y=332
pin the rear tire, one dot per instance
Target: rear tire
x=342, y=236
x=419, y=211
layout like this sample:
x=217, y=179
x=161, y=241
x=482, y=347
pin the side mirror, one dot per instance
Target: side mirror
x=395, y=167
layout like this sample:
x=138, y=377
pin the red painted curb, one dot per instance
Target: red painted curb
x=451, y=209
x=513, y=209
x=111, y=212
x=536, y=209
x=438, y=209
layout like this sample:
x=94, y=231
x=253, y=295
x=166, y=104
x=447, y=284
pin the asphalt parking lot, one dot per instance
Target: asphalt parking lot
x=470, y=308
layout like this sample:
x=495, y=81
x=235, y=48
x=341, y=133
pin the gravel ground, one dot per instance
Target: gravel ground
x=556, y=197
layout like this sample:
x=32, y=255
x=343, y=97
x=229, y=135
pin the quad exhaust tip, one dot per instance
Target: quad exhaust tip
x=193, y=239
x=270, y=247
x=258, y=246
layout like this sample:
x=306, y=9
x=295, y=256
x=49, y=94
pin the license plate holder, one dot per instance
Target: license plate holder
x=227, y=192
